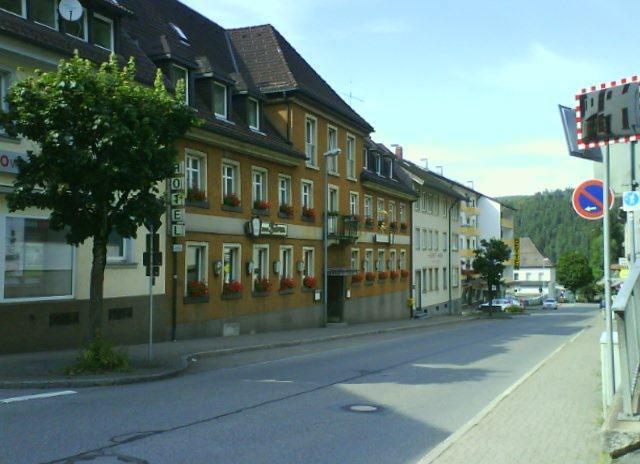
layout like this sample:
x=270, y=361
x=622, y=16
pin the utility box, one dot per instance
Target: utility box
x=605, y=358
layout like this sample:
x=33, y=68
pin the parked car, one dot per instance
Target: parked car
x=549, y=303
x=499, y=304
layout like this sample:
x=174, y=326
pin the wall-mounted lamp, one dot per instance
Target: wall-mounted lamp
x=249, y=267
x=276, y=267
x=217, y=267
x=300, y=266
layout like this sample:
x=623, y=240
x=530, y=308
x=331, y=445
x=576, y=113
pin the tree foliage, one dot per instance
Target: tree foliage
x=489, y=261
x=105, y=142
x=574, y=272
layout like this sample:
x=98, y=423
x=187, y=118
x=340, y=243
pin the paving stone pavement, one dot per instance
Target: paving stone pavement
x=553, y=417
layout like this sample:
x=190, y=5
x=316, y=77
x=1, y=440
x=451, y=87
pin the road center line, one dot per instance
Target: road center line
x=38, y=397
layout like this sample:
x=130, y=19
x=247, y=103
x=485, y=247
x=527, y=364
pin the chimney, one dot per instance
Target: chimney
x=398, y=151
x=425, y=161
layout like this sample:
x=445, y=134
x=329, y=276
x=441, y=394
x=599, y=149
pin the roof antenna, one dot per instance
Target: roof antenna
x=351, y=96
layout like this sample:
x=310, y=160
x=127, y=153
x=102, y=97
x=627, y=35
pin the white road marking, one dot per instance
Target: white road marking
x=38, y=397
x=443, y=446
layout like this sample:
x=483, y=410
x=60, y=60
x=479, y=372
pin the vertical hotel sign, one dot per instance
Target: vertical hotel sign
x=176, y=203
x=516, y=253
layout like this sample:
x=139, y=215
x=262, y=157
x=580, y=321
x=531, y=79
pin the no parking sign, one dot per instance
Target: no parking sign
x=588, y=199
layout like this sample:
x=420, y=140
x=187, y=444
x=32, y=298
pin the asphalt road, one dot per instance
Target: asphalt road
x=292, y=405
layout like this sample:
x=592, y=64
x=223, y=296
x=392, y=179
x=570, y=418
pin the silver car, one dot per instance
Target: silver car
x=549, y=303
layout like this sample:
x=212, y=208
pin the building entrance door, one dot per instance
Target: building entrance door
x=335, y=299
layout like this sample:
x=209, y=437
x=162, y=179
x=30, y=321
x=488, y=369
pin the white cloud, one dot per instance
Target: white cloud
x=511, y=168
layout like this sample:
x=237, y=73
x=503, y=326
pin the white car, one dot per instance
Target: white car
x=499, y=304
x=549, y=303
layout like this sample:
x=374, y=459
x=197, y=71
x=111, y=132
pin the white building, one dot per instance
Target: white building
x=436, y=222
x=536, y=275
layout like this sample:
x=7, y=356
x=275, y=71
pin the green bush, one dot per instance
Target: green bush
x=514, y=309
x=98, y=357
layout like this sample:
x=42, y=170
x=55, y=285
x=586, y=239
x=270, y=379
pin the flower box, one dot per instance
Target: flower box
x=370, y=276
x=262, y=286
x=383, y=275
x=232, y=290
x=310, y=282
x=231, y=200
x=357, y=278
x=195, y=195
x=404, y=273
x=368, y=222
x=285, y=211
x=394, y=275
x=308, y=214
x=197, y=288
x=261, y=207
x=287, y=283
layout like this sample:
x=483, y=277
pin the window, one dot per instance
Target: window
x=45, y=12
x=102, y=32
x=516, y=276
x=229, y=179
x=403, y=259
x=436, y=205
x=393, y=262
x=355, y=259
x=380, y=264
x=332, y=142
x=368, y=260
x=286, y=262
x=196, y=263
x=354, y=204
x=430, y=280
x=38, y=260
x=625, y=89
x=365, y=158
x=380, y=209
x=230, y=263
x=454, y=242
x=392, y=212
x=436, y=241
x=378, y=165
x=284, y=190
x=444, y=278
x=14, y=6
x=307, y=194
x=368, y=206
x=423, y=240
x=220, y=100
x=118, y=248
x=5, y=82
x=259, y=185
x=416, y=240
x=261, y=262
x=436, y=280
x=424, y=199
x=310, y=141
x=424, y=281
x=308, y=259
x=178, y=30
x=625, y=118
x=253, y=114
x=455, y=275
x=351, y=157
x=333, y=199
x=403, y=214
x=178, y=73
x=430, y=243
x=445, y=241
x=77, y=29
x=196, y=172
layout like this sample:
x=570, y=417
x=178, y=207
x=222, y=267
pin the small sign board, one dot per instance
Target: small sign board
x=177, y=214
x=178, y=230
x=631, y=201
x=178, y=168
x=516, y=253
x=588, y=199
x=8, y=161
x=177, y=184
x=177, y=199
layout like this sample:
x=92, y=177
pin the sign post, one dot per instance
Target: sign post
x=176, y=229
x=607, y=267
x=151, y=268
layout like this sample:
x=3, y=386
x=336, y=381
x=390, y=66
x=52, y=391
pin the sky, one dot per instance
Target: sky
x=470, y=86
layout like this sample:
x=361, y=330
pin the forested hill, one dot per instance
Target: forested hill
x=549, y=219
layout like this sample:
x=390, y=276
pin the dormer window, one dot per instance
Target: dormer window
x=179, y=73
x=378, y=165
x=45, y=12
x=178, y=30
x=102, y=31
x=17, y=7
x=220, y=100
x=253, y=114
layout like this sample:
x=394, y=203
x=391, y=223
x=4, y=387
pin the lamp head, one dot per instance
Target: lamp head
x=334, y=152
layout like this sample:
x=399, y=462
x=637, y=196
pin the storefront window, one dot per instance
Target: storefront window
x=38, y=260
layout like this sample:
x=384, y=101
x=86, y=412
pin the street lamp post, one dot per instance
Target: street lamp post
x=325, y=232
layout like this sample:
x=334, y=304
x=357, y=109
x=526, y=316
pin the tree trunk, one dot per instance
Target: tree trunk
x=96, y=290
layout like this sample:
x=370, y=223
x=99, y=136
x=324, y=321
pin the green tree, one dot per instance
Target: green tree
x=489, y=263
x=574, y=272
x=105, y=144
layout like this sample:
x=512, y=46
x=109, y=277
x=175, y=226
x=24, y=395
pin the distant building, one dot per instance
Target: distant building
x=537, y=273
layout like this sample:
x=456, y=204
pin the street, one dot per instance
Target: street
x=293, y=404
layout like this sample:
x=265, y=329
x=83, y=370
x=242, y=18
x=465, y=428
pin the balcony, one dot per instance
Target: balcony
x=469, y=230
x=469, y=209
x=466, y=253
x=506, y=223
x=343, y=228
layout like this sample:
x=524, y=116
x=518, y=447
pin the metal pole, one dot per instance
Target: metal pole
x=607, y=267
x=631, y=214
x=325, y=227
x=449, y=253
x=151, y=262
x=174, y=291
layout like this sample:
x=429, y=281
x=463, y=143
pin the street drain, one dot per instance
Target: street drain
x=363, y=408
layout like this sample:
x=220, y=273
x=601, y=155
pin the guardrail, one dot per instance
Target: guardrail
x=626, y=308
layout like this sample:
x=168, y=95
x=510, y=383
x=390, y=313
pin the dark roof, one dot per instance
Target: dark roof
x=530, y=256
x=275, y=66
x=430, y=180
x=400, y=181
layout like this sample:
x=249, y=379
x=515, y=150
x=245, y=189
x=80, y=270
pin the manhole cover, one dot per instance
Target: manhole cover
x=363, y=408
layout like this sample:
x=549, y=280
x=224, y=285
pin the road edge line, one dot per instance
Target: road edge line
x=436, y=452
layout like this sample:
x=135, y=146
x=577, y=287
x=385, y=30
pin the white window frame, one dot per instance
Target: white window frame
x=403, y=260
x=283, y=249
x=6, y=78
x=127, y=252
x=445, y=241
x=379, y=216
x=369, y=264
x=436, y=241
x=302, y=193
x=354, y=209
x=309, y=272
x=3, y=238
x=330, y=207
x=355, y=251
x=238, y=247
x=393, y=260
x=312, y=145
x=226, y=96
x=402, y=213
x=257, y=126
x=368, y=206
x=264, y=173
x=186, y=79
x=113, y=33
x=430, y=240
x=202, y=157
x=424, y=239
x=351, y=157
x=23, y=3
x=381, y=264
x=392, y=211
x=287, y=179
x=236, y=177
x=416, y=239
x=256, y=263
x=204, y=264
x=333, y=162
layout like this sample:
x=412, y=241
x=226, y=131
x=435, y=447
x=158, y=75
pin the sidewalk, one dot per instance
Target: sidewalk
x=553, y=417
x=44, y=369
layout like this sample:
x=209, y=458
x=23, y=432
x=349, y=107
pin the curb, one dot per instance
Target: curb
x=186, y=360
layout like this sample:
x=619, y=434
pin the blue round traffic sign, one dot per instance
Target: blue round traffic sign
x=588, y=199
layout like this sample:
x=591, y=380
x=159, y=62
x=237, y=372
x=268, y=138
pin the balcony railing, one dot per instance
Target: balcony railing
x=343, y=228
x=506, y=223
